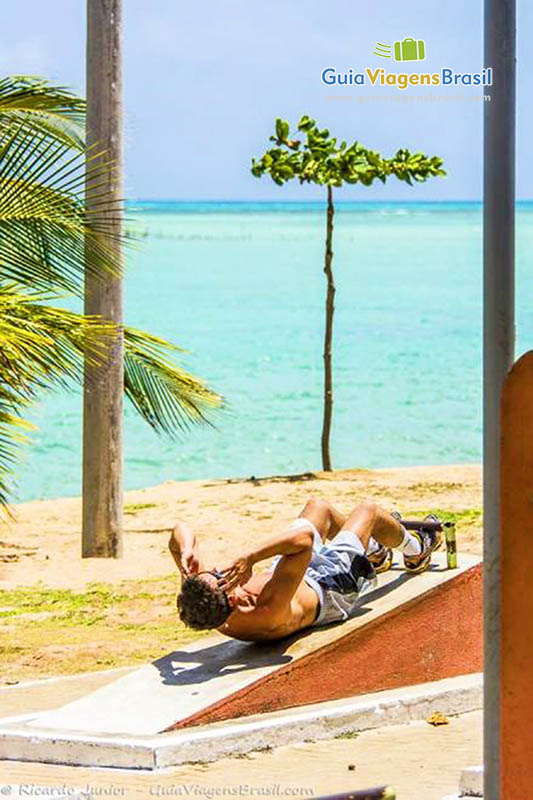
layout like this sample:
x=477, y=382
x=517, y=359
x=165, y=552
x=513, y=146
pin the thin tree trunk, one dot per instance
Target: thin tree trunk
x=328, y=337
x=103, y=384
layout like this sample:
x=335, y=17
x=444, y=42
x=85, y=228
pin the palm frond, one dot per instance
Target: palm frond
x=50, y=111
x=48, y=240
x=168, y=397
x=49, y=243
x=13, y=434
x=42, y=346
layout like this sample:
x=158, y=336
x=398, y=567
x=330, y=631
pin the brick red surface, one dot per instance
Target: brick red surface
x=436, y=635
x=516, y=735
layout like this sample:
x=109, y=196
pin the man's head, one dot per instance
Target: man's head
x=201, y=604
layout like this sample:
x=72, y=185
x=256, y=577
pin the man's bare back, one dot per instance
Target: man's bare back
x=264, y=606
x=255, y=619
x=320, y=566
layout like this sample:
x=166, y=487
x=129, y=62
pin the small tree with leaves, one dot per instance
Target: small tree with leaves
x=318, y=159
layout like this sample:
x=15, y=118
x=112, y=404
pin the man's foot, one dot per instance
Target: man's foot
x=429, y=541
x=381, y=559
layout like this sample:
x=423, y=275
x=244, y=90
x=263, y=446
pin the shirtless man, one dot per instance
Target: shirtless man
x=322, y=562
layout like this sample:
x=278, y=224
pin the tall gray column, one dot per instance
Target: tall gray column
x=103, y=389
x=499, y=335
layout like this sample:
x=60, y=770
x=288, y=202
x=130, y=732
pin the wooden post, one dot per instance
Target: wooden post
x=103, y=387
x=516, y=522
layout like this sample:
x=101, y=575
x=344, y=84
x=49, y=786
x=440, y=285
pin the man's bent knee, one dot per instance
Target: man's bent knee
x=315, y=506
x=367, y=507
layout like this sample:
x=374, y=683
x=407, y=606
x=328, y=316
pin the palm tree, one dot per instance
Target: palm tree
x=103, y=417
x=48, y=242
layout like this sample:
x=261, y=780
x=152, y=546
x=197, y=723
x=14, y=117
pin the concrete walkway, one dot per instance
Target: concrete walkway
x=422, y=762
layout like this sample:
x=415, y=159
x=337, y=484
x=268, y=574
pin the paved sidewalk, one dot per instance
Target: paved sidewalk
x=48, y=693
x=420, y=761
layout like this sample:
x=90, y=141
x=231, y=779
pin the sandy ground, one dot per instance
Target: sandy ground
x=54, y=620
x=420, y=761
x=61, y=614
x=43, y=544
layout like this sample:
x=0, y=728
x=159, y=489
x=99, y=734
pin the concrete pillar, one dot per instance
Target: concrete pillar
x=499, y=335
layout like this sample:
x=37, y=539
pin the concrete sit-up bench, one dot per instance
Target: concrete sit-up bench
x=408, y=631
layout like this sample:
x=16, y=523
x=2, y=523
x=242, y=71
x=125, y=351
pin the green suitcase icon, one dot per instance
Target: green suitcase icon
x=410, y=50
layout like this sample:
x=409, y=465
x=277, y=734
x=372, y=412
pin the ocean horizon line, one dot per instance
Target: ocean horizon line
x=304, y=206
x=308, y=201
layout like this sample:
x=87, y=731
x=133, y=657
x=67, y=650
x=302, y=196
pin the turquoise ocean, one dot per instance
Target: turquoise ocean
x=240, y=286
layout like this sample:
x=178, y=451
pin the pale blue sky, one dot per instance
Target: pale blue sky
x=204, y=81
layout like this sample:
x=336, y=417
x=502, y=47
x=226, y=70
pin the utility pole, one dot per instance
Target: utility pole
x=103, y=383
x=498, y=337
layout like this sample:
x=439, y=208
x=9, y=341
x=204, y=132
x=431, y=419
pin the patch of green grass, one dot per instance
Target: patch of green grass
x=73, y=608
x=439, y=486
x=134, y=508
x=466, y=517
x=102, y=626
x=347, y=735
x=11, y=649
x=86, y=608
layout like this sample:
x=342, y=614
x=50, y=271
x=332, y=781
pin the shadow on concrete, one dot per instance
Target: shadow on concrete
x=183, y=667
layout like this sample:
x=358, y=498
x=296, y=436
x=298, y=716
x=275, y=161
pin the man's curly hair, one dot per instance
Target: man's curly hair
x=202, y=606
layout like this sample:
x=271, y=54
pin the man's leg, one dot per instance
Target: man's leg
x=372, y=524
x=326, y=518
x=369, y=520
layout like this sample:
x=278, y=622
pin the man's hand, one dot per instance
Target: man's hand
x=185, y=550
x=237, y=574
x=189, y=562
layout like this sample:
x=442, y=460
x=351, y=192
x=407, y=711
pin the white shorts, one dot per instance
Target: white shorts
x=338, y=573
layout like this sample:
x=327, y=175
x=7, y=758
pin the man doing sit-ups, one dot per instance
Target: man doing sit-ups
x=321, y=563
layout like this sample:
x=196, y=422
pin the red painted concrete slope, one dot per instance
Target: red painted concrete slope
x=408, y=629
x=516, y=582
x=434, y=635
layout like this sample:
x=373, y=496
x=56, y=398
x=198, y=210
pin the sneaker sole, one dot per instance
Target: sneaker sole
x=386, y=563
x=424, y=565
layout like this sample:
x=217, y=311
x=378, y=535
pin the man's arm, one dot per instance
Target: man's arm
x=185, y=550
x=295, y=547
x=288, y=573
